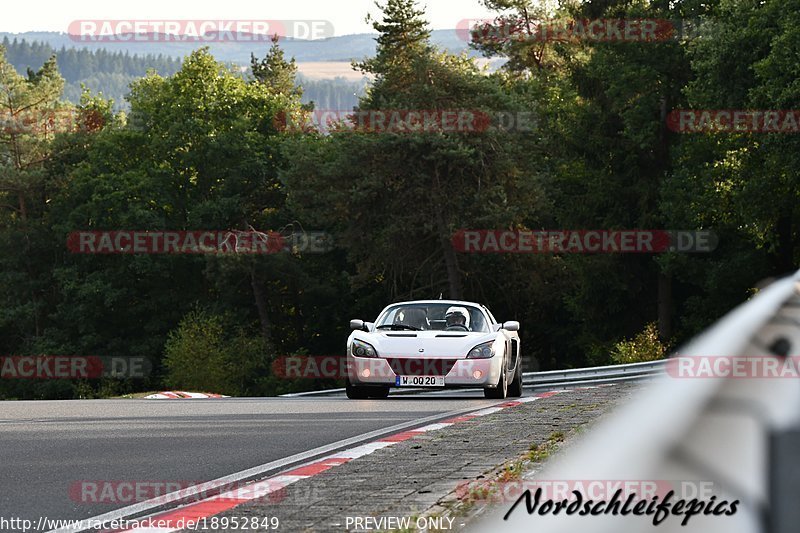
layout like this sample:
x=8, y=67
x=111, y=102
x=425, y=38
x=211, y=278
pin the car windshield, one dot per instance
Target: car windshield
x=434, y=316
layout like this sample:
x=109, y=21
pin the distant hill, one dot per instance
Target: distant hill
x=111, y=72
x=107, y=71
x=344, y=48
x=110, y=67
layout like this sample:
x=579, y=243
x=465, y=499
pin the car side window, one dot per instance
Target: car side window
x=390, y=316
x=478, y=323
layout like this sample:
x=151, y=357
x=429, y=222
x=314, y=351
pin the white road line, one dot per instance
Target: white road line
x=175, y=497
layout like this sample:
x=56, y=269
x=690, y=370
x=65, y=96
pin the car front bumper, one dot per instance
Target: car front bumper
x=464, y=372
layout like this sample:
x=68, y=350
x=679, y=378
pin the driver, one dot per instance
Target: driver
x=457, y=318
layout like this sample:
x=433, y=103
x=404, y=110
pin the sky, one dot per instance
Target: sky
x=346, y=16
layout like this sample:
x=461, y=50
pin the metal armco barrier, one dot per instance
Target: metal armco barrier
x=735, y=434
x=554, y=378
x=594, y=375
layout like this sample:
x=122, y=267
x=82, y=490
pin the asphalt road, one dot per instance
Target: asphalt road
x=49, y=448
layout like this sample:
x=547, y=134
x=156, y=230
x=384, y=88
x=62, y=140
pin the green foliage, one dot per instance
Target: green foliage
x=414, y=187
x=403, y=36
x=77, y=65
x=275, y=72
x=25, y=148
x=211, y=353
x=104, y=71
x=112, y=73
x=511, y=34
x=645, y=346
x=742, y=181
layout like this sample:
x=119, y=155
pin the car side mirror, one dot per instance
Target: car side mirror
x=511, y=325
x=357, y=324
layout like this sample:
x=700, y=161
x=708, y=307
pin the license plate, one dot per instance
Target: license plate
x=419, y=381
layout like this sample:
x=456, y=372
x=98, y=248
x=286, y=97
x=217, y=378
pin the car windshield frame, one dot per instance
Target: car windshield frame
x=434, y=318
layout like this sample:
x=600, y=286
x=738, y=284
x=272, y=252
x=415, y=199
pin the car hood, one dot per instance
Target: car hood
x=444, y=344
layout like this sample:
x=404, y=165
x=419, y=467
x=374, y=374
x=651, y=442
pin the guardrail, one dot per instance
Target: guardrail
x=554, y=378
x=738, y=435
x=594, y=375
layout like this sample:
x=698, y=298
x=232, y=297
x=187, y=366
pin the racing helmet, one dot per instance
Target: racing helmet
x=457, y=316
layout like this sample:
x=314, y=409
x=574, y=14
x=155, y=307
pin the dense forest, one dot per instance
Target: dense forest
x=337, y=93
x=207, y=149
x=103, y=71
x=111, y=73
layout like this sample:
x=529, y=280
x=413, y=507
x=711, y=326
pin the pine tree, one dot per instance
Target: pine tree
x=275, y=71
x=404, y=36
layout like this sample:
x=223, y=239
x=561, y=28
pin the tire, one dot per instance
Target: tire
x=515, y=387
x=379, y=392
x=355, y=392
x=499, y=392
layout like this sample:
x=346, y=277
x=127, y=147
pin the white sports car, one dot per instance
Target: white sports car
x=433, y=344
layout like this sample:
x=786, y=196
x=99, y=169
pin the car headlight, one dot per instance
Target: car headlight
x=362, y=349
x=481, y=351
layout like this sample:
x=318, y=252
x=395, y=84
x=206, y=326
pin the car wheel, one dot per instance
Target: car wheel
x=515, y=387
x=379, y=392
x=499, y=392
x=355, y=392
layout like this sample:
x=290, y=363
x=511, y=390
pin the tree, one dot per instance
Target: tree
x=743, y=184
x=199, y=151
x=213, y=353
x=604, y=106
x=275, y=72
x=28, y=108
x=403, y=36
x=402, y=50
x=30, y=113
x=513, y=34
x=396, y=199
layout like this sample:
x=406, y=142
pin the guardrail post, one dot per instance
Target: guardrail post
x=784, y=482
x=783, y=515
